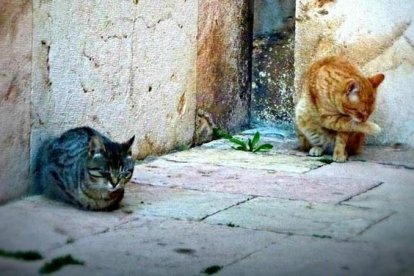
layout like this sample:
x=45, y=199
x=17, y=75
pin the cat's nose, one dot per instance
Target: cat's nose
x=114, y=181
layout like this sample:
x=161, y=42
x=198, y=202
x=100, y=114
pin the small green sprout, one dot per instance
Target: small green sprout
x=251, y=145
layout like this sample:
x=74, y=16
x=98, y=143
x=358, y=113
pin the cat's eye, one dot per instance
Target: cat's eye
x=98, y=172
x=126, y=174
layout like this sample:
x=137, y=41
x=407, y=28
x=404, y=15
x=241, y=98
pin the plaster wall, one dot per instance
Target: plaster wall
x=376, y=34
x=123, y=67
x=15, y=75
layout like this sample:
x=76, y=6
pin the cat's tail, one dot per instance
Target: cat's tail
x=40, y=161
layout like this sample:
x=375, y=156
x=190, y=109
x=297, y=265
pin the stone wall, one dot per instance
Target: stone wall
x=15, y=68
x=379, y=36
x=270, y=16
x=273, y=65
x=123, y=67
x=223, y=66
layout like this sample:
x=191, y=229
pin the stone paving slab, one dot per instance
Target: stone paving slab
x=399, y=156
x=11, y=267
x=163, y=247
x=40, y=224
x=144, y=200
x=313, y=256
x=207, y=177
x=396, y=192
x=298, y=217
x=240, y=159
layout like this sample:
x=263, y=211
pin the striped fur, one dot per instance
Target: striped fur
x=84, y=168
x=334, y=108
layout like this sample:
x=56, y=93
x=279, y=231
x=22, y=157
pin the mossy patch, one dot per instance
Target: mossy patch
x=57, y=263
x=325, y=160
x=322, y=236
x=212, y=269
x=21, y=255
x=70, y=240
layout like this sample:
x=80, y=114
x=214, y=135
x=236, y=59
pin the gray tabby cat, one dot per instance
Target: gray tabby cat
x=84, y=168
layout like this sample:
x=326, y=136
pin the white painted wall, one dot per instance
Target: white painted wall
x=379, y=36
x=123, y=68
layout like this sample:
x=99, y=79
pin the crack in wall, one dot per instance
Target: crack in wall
x=47, y=47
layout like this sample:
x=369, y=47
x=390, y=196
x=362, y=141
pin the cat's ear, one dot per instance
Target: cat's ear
x=128, y=145
x=96, y=145
x=376, y=80
x=352, y=90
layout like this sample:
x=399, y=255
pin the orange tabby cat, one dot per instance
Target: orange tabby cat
x=334, y=107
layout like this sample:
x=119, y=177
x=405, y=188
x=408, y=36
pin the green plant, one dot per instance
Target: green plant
x=252, y=144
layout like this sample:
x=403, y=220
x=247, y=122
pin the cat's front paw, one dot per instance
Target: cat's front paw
x=340, y=158
x=369, y=128
x=316, y=151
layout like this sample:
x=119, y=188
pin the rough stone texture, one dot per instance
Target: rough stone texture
x=273, y=80
x=302, y=218
x=270, y=16
x=398, y=156
x=157, y=247
x=33, y=225
x=124, y=67
x=144, y=200
x=273, y=64
x=180, y=230
x=15, y=75
x=247, y=160
x=396, y=192
x=247, y=181
x=223, y=66
x=378, y=36
x=313, y=256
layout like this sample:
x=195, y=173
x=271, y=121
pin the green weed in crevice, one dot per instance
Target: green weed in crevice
x=251, y=145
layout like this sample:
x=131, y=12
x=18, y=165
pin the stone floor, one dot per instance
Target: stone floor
x=276, y=213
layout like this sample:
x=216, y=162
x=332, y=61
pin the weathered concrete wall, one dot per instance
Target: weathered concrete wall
x=123, y=67
x=271, y=16
x=15, y=67
x=379, y=36
x=273, y=64
x=223, y=66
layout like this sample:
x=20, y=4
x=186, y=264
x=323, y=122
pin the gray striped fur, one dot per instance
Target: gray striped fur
x=84, y=168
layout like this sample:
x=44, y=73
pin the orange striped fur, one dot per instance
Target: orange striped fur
x=334, y=107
